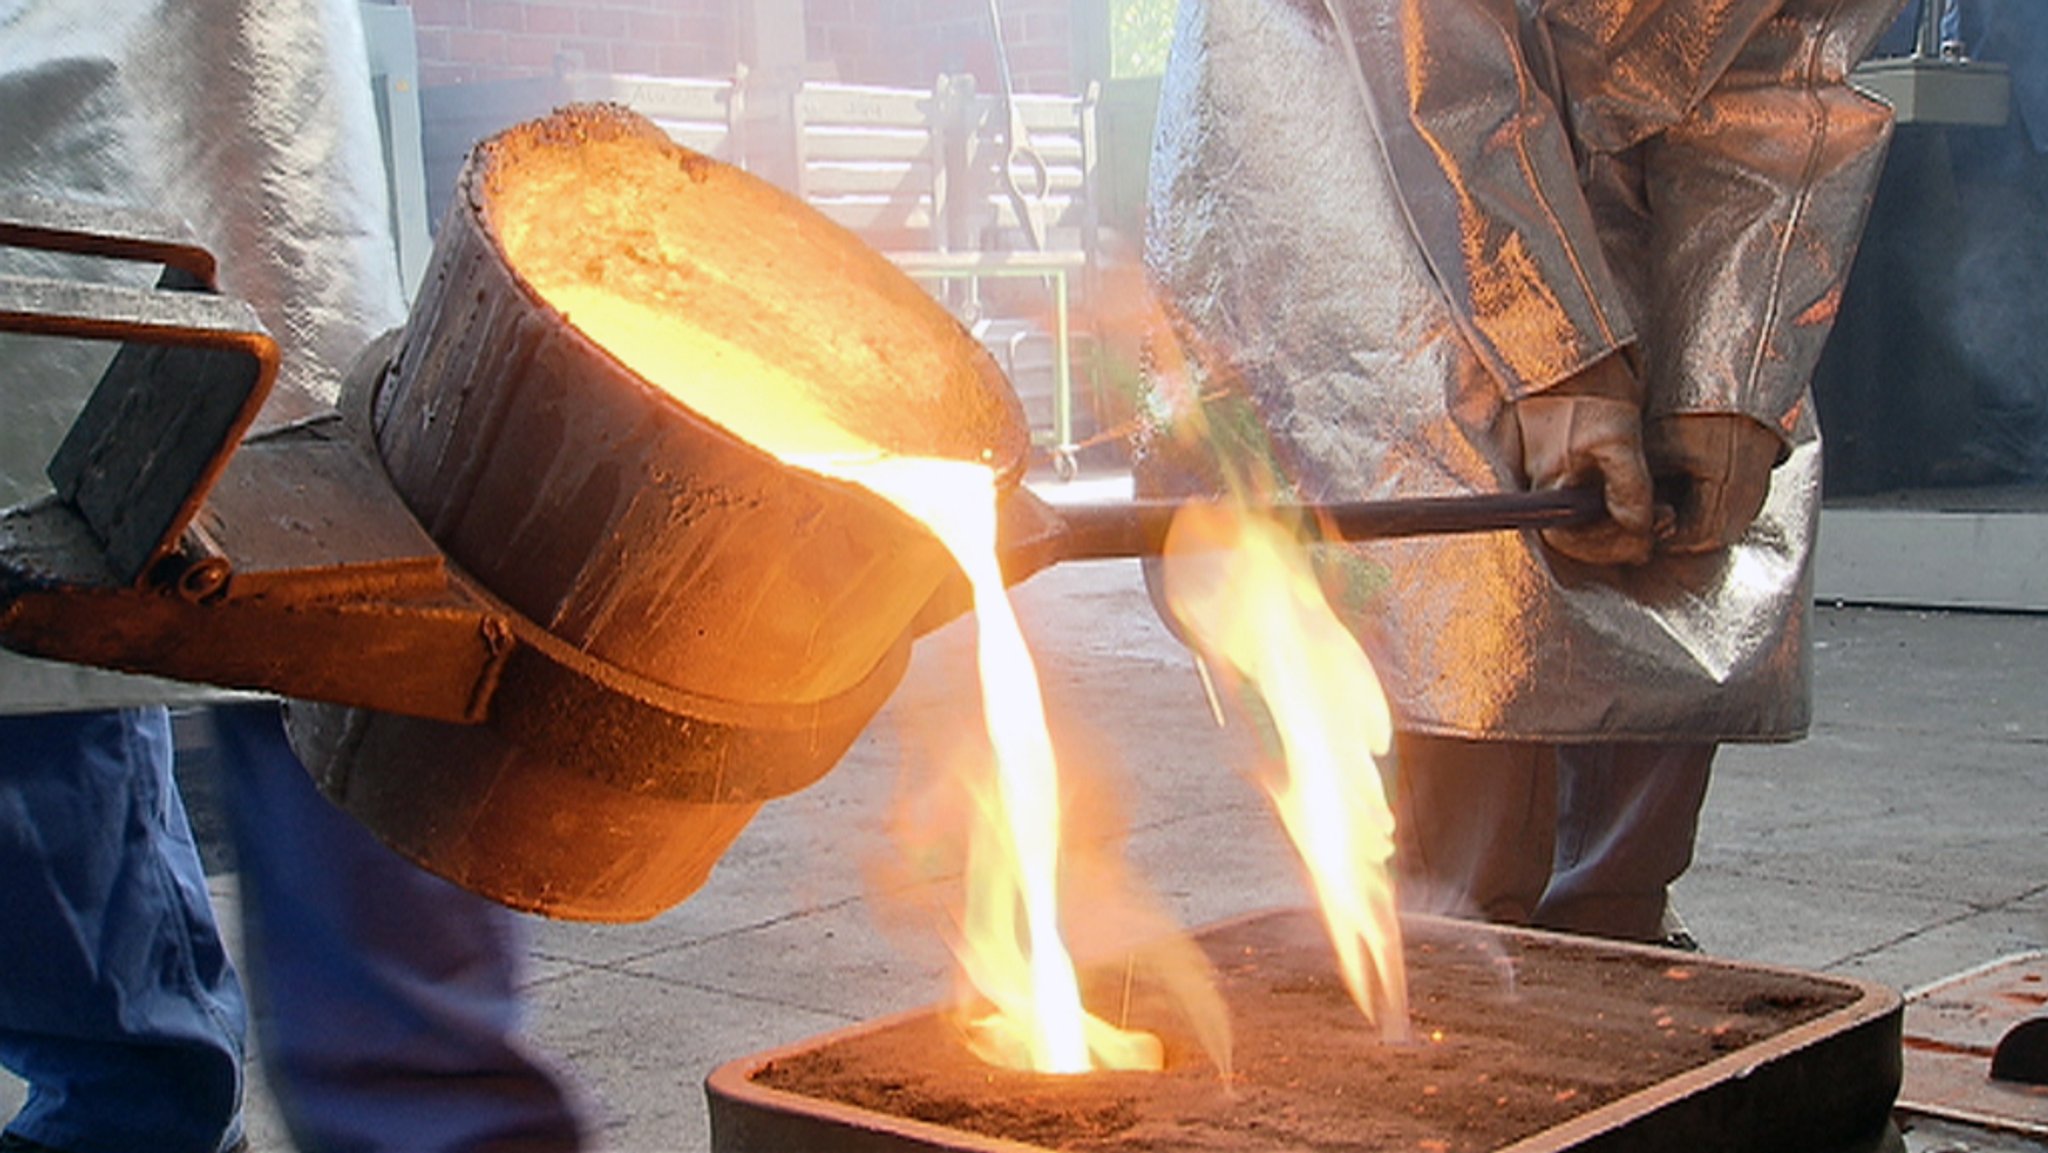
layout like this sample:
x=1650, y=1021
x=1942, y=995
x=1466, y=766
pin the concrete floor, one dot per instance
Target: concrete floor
x=1902, y=842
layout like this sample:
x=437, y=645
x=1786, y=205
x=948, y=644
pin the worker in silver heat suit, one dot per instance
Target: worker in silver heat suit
x=1429, y=247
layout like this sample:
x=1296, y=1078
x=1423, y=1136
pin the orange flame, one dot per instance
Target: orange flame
x=1241, y=586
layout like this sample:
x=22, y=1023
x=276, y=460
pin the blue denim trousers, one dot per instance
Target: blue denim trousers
x=388, y=1004
x=118, y=1004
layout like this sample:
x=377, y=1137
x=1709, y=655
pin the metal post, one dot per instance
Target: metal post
x=1927, y=38
x=773, y=47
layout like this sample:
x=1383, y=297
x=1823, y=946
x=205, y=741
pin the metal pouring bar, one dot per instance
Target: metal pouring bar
x=374, y=615
x=1138, y=528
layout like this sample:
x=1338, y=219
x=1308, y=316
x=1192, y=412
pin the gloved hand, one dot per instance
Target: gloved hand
x=1583, y=429
x=1725, y=459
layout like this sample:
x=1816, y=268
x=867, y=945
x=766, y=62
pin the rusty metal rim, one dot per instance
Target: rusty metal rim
x=138, y=233
x=1969, y=1113
x=101, y=452
x=734, y=1081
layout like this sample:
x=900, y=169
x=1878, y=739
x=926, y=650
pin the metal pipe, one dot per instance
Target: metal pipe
x=1138, y=528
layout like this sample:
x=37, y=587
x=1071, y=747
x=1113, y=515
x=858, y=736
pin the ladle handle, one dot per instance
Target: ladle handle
x=1138, y=528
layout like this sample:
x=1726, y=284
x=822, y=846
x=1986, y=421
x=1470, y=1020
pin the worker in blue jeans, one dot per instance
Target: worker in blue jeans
x=392, y=1020
x=392, y=1015
x=118, y=1004
x=387, y=1000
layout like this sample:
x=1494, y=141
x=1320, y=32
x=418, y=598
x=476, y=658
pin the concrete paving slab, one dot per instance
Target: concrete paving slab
x=1217, y=864
x=1898, y=556
x=790, y=857
x=1748, y=916
x=1941, y=949
x=1986, y=862
x=640, y=1048
x=847, y=962
x=1931, y=673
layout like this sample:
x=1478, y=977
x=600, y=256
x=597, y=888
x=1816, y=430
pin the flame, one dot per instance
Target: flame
x=1012, y=948
x=1241, y=586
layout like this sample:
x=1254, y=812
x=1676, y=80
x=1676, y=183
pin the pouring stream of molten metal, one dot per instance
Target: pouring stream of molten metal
x=1037, y=1021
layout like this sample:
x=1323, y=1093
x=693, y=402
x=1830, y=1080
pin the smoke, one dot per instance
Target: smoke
x=1997, y=313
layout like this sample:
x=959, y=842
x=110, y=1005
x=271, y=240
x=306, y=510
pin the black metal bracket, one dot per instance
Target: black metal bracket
x=171, y=547
x=193, y=370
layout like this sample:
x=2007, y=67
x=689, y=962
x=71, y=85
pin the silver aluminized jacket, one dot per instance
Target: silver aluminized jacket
x=252, y=119
x=1376, y=223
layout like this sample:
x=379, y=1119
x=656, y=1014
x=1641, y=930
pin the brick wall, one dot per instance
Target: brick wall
x=901, y=42
x=465, y=41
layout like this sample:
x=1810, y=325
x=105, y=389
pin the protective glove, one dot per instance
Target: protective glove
x=1724, y=460
x=1586, y=428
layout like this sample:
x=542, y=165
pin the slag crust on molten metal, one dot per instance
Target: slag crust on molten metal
x=754, y=304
